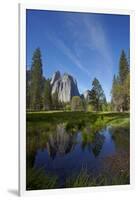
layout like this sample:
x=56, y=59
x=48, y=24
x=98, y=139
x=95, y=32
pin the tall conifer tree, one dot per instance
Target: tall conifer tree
x=123, y=67
x=97, y=96
x=36, y=81
x=120, y=86
x=47, y=95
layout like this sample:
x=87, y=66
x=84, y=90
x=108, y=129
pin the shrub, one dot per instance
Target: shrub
x=90, y=108
x=76, y=104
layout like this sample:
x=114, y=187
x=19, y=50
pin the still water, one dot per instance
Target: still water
x=64, y=153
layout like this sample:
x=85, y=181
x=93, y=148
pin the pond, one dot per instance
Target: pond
x=63, y=152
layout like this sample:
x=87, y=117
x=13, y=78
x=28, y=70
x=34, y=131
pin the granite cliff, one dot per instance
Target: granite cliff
x=65, y=86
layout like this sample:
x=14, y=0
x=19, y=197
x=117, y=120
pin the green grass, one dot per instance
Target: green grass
x=116, y=172
x=121, y=122
x=121, y=119
x=37, y=179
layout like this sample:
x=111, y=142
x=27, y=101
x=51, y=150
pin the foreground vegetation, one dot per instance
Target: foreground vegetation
x=37, y=179
x=115, y=172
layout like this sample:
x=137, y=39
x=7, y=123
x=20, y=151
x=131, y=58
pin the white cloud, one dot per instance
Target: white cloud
x=68, y=52
x=90, y=32
x=99, y=40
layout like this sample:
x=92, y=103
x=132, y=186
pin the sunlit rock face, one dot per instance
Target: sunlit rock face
x=56, y=76
x=65, y=86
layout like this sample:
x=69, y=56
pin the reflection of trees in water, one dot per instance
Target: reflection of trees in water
x=97, y=144
x=60, y=142
x=30, y=159
x=93, y=141
x=121, y=138
x=36, y=139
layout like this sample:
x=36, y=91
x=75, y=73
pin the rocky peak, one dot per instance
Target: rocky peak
x=66, y=86
x=56, y=76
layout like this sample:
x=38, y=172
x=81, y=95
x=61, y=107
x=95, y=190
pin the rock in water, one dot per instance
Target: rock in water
x=65, y=86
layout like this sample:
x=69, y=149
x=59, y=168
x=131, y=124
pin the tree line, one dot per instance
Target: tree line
x=39, y=97
x=121, y=86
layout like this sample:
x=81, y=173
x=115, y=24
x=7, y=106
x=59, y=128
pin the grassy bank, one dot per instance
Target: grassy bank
x=114, y=119
x=115, y=172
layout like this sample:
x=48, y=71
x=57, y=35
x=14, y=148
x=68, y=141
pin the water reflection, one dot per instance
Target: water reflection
x=92, y=141
x=61, y=142
x=120, y=137
x=98, y=144
x=62, y=151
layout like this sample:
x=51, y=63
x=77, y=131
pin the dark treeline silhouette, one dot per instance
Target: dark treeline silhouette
x=39, y=91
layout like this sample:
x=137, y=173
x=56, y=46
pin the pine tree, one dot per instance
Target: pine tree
x=121, y=86
x=55, y=101
x=123, y=67
x=47, y=95
x=28, y=90
x=126, y=92
x=117, y=97
x=36, y=81
x=97, y=96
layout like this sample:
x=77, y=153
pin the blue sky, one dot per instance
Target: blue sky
x=83, y=45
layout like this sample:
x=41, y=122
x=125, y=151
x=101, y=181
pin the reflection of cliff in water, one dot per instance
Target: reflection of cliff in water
x=60, y=142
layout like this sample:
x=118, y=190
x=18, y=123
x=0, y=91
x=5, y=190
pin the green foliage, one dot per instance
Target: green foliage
x=67, y=107
x=37, y=179
x=97, y=96
x=47, y=95
x=83, y=179
x=36, y=81
x=123, y=67
x=45, y=118
x=76, y=104
x=116, y=172
x=126, y=92
x=107, y=107
x=28, y=89
x=55, y=101
x=90, y=107
x=121, y=86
